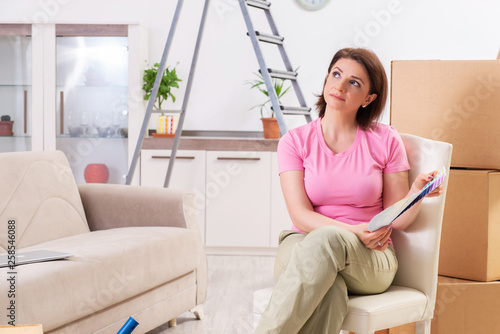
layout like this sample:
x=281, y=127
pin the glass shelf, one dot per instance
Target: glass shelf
x=15, y=85
x=92, y=86
x=92, y=137
x=16, y=136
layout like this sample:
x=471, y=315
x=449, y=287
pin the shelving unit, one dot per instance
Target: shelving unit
x=74, y=89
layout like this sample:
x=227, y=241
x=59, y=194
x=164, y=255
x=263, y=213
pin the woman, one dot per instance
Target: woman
x=336, y=173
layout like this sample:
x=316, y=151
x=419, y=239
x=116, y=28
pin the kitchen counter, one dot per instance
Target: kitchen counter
x=213, y=144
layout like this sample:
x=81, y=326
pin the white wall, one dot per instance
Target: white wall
x=394, y=29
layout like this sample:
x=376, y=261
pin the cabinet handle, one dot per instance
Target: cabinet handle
x=61, y=123
x=25, y=111
x=238, y=158
x=168, y=157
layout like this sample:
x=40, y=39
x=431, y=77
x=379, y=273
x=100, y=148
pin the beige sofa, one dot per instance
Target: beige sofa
x=137, y=250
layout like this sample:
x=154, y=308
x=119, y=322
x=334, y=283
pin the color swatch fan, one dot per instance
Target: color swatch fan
x=390, y=214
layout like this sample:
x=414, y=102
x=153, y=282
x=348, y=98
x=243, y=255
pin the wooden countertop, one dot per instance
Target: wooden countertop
x=213, y=144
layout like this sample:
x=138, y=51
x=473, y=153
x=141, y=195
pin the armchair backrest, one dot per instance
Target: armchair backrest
x=417, y=247
x=38, y=191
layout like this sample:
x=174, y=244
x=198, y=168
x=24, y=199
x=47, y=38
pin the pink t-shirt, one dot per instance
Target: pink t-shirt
x=347, y=186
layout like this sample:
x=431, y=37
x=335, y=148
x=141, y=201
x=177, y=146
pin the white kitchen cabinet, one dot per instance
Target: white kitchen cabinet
x=238, y=194
x=238, y=199
x=280, y=219
x=188, y=175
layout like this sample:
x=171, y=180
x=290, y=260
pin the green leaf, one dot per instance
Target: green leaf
x=260, y=85
x=169, y=80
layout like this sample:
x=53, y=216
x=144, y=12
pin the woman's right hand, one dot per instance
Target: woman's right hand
x=422, y=179
x=373, y=240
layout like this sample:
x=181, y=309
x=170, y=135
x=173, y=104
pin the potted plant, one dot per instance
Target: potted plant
x=166, y=124
x=269, y=122
x=6, y=126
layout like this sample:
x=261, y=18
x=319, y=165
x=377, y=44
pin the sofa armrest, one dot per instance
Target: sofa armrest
x=109, y=206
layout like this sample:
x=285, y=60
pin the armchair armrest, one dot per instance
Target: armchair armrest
x=109, y=206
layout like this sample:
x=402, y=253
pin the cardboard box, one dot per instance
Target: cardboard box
x=470, y=238
x=470, y=241
x=464, y=307
x=452, y=101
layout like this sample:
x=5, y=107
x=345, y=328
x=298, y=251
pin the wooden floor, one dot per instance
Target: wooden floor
x=228, y=308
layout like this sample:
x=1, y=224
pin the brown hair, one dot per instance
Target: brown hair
x=378, y=85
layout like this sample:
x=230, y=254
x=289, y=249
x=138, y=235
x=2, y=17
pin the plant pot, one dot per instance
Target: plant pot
x=166, y=125
x=96, y=173
x=6, y=128
x=271, y=128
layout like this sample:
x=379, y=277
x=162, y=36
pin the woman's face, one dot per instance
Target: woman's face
x=347, y=86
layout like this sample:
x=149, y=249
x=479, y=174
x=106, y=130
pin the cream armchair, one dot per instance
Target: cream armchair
x=412, y=296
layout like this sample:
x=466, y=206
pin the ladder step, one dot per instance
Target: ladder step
x=269, y=78
x=262, y=4
x=154, y=111
x=282, y=74
x=274, y=39
x=287, y=110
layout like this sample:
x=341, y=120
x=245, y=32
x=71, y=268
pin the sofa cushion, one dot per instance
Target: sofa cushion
x=39, y=192
x=108, y=267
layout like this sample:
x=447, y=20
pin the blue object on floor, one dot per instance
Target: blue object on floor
x=129, y=326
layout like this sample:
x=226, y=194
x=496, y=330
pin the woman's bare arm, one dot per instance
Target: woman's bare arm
x=396, y=187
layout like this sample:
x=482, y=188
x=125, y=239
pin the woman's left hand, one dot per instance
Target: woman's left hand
x=424, y=178
x=378, y=239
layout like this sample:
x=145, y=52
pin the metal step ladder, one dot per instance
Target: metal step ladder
x=154, y=93
x=267, y=73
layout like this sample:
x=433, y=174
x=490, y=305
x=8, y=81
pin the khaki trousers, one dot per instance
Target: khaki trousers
x=315, y=272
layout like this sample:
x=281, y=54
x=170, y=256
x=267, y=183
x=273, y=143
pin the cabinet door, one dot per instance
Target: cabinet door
x=238, y=199
x=92, y=93
x=280, y=219
x=15, y=87
x=188, y=175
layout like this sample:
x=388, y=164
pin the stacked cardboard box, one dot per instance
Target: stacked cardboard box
x=452, y=101
x=464, y=307
x=459, y=102
x=470, y=242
